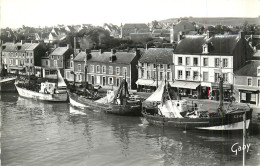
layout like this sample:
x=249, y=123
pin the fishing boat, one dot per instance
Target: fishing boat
x=177, y=113
x=47, y=91
x=115, y=102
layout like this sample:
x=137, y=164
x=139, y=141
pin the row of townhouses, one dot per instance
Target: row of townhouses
x=193, y=68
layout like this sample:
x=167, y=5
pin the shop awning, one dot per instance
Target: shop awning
x=147, y=82
x=247, y=88
x=185, y=84
x=17, y=68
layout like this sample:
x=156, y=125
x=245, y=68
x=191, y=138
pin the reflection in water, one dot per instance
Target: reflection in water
x=36, y=133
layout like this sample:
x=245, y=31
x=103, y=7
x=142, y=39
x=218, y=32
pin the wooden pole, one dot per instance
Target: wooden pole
x=156, y=73
x=244, y=138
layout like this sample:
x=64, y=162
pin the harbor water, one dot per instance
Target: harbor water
x=47, y=133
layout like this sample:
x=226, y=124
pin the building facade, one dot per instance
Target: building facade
x=247, y=83
x=56, y=60
x=155, y=65
x=22, y=58
x=201, y=60
x=106, y=69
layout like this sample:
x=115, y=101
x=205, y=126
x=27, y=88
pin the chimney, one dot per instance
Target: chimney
x=101, y=51
x=113, y=51
x=209, y=34
x=138, y=54
x=241, y=34
x=180, y=35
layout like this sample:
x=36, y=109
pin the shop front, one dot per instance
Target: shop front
x=249, y=96
x=187, y=88
x=227, y=92
x=146, y=85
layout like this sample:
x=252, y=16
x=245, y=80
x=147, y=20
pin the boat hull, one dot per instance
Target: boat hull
x=7, y=85
x=41, y=96
x=127, y=110
x=231, y=121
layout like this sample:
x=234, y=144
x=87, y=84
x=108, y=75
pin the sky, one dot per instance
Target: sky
x=15, y=13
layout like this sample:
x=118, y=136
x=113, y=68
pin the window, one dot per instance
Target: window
x=79, y=77
x=79, y=67
x=205, y=76
x=195, y=61
x=161, y=66
x=168, y=67
x=67, y=64
x=168, y=75
x=110, y=69
x=179, y=60
x=55, y=63
x=92, y=80
x=98, y=68
x=103, y=69
x=92, y=68
x=110, y=80
x=58, y=57
x=31, y=61
x=52, y=57
x=117, y=82
x=217, y=62
x=249, y=81
x=67, y=74
x=31, y=54
x=187, y=61
x=154, y=74
x=258, y=71
x=258, y=83
x=117, y=70
x=195, y=75
x=205, y=62
x=142, y=73
x=148, y=74
x=142, y=65
x=225, y=62
x=187, y=75
x=71, y=64
x=161, y=75
x=217, y=78
x=225, y=77
x=154, y=66
x=125, y=71
x=148, y=65
x=179, y=74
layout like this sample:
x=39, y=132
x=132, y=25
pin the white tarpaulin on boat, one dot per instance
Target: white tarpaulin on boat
x=61, y=82
x=185, y=84
x=147, y=82
x=157, y=95
x=170, y=110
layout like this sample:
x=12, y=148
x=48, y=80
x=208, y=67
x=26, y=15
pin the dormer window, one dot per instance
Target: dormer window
x=205, y=49
x=258, y=71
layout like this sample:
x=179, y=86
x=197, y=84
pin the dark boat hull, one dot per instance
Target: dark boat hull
x=231, y=121
x=125, y=110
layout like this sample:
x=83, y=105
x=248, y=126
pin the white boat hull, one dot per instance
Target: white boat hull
x=77, y=104
x=41, y=96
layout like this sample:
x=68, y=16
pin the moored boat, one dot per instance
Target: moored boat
x=115, y=102
x=176, y=113
x=48, y=91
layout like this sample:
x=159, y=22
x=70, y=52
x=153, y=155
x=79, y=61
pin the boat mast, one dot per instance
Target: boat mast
x=221, y=89
x=85, y=73
x=156, y=73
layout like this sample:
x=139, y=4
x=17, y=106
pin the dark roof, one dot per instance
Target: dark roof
x=121, y=57
x=249, y=69
x=133, y=26
x=162, y=55
x=23, y=47
x=222, y=44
